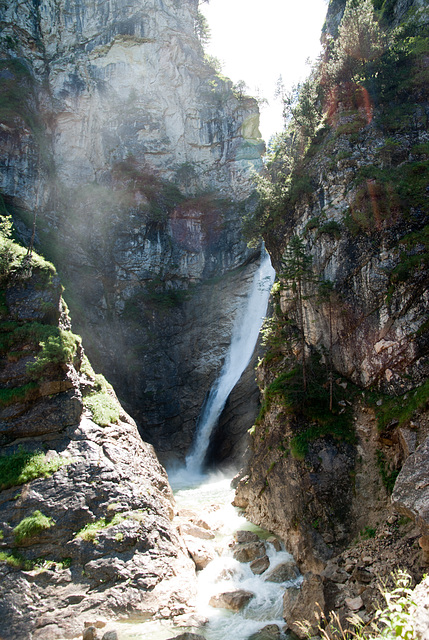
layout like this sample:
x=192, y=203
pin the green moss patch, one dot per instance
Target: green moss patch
x=309, y=410
x=22, y=466
x=104, y=408
x=32, y=526
x=398, y=410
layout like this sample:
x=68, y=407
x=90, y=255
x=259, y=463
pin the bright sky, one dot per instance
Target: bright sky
x=259, y=40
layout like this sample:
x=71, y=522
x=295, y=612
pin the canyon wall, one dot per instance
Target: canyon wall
x=85, y=506
x=136, y=156
x=344, y=380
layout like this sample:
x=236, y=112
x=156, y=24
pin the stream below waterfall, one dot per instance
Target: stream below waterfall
x=210, y=499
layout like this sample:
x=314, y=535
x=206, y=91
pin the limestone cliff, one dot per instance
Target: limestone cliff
x=344, y=381
x=85, y=506
x=137, y=157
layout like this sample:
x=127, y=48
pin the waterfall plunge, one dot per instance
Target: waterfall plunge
x=244, y=336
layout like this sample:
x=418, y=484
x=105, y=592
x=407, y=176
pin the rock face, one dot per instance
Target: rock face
x=332, y=437
x=137, y=157
x=411, y=489
x=85, y=507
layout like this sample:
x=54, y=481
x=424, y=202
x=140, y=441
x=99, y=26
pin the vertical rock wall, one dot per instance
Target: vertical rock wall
x=137, y=157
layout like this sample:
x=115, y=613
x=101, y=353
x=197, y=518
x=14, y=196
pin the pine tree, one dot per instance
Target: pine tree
x=296, y=272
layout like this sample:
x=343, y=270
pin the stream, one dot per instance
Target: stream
x=209, y=498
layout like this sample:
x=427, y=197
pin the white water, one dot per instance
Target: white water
x=244, y=336
x=211, y=499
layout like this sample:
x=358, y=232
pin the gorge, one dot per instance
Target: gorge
x=128, y=161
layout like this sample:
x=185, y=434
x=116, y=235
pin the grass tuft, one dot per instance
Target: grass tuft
x=22, y=466
x=31, y=526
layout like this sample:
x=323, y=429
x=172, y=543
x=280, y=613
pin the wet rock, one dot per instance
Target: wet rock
x=242, y=536
x=275, y=542
x=260, y=565
x=283, y=572
x=110, y=635
x=196, y=531
x=248, y=551
x=233, y=600
x=200, y=553
x=270, y=632
x=202, y=524
x=304, y=603
x=90, y=633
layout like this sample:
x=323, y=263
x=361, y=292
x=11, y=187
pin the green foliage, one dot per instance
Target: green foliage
x=331, y=228
x=23, y=466
x=296, y=263
x=13, y=257
x=22, y=394
x=16, y=560
x=384, y=194
x=395, y=620
x=360, y=41
x=90, y=531
x=368, y=533
x=104, y=408
x=31, y=526
x=202, y=29
x=58, y=348
x=399, y=409
x=309, y=409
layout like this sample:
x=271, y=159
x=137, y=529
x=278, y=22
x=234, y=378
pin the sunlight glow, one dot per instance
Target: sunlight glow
x=259, y=41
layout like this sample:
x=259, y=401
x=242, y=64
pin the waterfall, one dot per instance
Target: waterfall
x=244, y=336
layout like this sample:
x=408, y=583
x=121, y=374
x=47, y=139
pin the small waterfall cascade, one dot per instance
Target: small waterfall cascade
x=244, y=336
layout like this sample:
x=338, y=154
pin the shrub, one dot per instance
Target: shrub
x=59, y=348
x=32, y=526
x=22, y=466
x=105, y=409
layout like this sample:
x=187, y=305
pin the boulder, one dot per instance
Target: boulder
x=249, y=551
x=283, y=572
x=269, y=632
x=275, y=542
x=420, y=611
x=195, y=531
x=233, y=600
x=260, y=565
x=242, y=536
x=305, y=603
x=200, y=552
